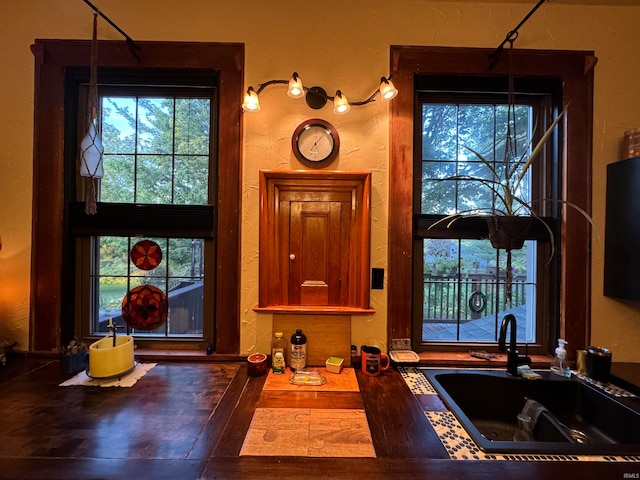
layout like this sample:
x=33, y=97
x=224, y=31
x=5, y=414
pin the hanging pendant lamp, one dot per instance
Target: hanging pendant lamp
x=91, y=148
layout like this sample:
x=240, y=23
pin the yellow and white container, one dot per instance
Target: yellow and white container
x=106, y=360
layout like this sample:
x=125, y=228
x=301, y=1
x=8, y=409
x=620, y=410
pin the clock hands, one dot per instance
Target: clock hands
x=314, y=148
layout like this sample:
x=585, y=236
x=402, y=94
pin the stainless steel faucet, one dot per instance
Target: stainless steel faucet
x=513, y=359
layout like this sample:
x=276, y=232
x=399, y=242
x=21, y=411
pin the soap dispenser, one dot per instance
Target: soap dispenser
x=559, y=364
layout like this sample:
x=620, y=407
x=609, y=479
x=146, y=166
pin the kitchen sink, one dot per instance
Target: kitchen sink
x=578, y=418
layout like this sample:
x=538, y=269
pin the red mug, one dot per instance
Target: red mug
x=373, y=361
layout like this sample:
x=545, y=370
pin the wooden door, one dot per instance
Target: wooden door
x=318, y=251
x=314, y=241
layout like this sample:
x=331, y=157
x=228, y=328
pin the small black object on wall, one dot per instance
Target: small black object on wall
x=622, y=230
x=377, y=278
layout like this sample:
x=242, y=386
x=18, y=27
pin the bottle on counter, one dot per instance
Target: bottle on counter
x=559, y=364
x=278, y=352
x=298, y=355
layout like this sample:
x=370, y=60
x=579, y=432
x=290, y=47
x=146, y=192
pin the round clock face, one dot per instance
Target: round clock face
x=315, y=141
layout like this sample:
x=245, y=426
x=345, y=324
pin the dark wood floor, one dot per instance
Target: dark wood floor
x=188, y=420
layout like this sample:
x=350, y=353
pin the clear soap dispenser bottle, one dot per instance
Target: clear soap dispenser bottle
x=559, y=364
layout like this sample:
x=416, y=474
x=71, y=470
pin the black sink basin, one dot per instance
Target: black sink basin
x=580, y=418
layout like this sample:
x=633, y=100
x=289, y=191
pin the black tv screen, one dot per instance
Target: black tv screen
x=622, y=230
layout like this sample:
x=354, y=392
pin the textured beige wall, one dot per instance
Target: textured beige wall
x=335, y=44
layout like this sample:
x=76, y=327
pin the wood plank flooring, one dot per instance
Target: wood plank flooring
x=188, y=421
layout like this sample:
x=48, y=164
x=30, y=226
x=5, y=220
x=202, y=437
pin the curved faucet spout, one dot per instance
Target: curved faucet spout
x=506, y=321
x=513, y=359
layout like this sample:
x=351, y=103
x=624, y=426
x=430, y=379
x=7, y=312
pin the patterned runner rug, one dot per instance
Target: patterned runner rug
x=310, y=432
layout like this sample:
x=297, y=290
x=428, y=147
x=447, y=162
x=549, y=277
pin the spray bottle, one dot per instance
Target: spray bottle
x=559, y=364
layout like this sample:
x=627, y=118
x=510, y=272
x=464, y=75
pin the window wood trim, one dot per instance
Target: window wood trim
x=50, y=240
x=575, y=69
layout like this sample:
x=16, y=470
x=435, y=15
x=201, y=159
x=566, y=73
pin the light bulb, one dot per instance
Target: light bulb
x=340, y=104
x=295, y=86
x=91, y=150
x=251, y=101
x=387, y=90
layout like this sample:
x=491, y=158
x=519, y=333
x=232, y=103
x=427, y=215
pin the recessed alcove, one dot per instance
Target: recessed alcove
x=315, y=242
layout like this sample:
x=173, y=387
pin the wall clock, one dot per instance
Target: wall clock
x=315, y=142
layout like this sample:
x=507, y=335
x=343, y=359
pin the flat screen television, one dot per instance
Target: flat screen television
x=622, y=230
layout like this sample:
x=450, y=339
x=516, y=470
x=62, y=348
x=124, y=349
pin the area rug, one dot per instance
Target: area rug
x=308, y=432
x=345, y=381
x=139, y=371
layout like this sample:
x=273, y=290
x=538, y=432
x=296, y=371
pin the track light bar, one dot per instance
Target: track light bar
x=316, y=97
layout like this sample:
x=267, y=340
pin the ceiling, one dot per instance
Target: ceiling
x=558, y=2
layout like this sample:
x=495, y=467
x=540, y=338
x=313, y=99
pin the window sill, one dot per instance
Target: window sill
x=314, y=310
x=151, y=354
x=463, y=359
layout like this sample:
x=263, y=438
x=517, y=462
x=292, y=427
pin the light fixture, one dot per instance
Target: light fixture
x=387, y=89
x=296, y=90
x=316, y=97
x=251, y=101
x=340, y=104
x=91, y=148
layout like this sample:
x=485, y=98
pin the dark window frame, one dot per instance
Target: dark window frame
x=543, y=96
x=133, y=219
x=52, y=253
x=574, y=69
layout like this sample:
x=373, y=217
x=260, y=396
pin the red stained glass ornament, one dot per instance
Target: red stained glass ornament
x=146, y=255
x=145, y=307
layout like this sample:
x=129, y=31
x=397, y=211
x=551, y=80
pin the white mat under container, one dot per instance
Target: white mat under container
x=128, y=380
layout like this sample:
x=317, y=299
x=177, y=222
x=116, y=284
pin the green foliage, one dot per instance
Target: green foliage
x=111, y=296
x=505, y=178
x=156, y=151
x=507, y=182
x=442, y=257
x=447, y=129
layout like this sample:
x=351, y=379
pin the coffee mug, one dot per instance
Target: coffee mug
x=373, y=361
x=598, y=364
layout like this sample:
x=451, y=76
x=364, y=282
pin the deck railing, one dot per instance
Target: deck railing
x=441, y=301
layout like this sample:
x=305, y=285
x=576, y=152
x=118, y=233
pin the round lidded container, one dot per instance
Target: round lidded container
x=257, y=364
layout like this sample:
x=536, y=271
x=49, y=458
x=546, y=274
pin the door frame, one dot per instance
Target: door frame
x=315, y=185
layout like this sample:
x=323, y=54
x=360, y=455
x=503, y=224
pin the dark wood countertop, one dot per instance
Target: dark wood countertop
x=626, y=375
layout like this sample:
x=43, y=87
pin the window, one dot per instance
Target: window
x=157, y=151
x=192, y=210
x=462, y=286
x=572, y=72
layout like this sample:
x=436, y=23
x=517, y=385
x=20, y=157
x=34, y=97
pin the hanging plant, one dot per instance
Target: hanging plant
x=510, y=216
x=508, y=232
x=91, y=148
